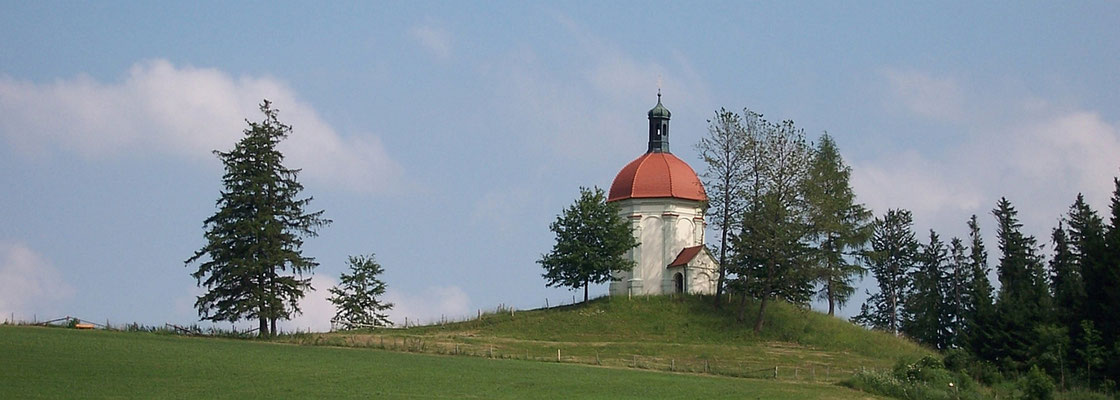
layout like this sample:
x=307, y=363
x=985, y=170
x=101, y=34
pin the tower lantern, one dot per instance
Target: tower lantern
x=658, y=127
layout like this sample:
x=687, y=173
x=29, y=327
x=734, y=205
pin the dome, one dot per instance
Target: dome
x=659, y=111
x=657, y=175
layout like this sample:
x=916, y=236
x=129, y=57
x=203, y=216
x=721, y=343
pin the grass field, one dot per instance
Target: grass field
x=63, y=363
x=661, y=333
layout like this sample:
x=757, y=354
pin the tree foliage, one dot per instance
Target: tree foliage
x=838, y=226
x=771, y=253
x=894, y=252
x=252, y=265
x=726, y=151
x=357, y=297
x=1023, y=302
x=980, y=308
x=591, y=243
x=926, y=309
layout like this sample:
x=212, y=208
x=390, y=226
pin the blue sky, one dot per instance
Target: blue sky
x=444, y=137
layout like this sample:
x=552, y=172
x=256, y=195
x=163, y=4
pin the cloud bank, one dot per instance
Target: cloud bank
x=1037, y=153
x=185, y=112
x=29, y=284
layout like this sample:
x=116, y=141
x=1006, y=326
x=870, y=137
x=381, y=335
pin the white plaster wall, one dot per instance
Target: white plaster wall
x=663, y=227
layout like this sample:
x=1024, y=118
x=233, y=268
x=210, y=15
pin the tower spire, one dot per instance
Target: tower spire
x=658, y=127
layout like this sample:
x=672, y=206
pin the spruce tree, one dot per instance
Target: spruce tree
x=1023, y=302
x=252, y=265
x=893, y=255
x=838, y=225
x=957, y=297
x=1086, y=232
x=980, y=309
x=1065, y=280
x=357, y=297
x=591, y=243
x=1105, y=295
x=925, y=307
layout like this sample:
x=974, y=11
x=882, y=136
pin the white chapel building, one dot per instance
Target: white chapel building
x=661, y=196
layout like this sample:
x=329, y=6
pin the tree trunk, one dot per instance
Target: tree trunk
x=273, y=331
x=831, y=300
x=586, y=283
x=742, y=308
x=262, y=330
x=761, y=314
x=722, y=250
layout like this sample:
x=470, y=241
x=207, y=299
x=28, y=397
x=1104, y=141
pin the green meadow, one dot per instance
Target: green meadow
x=38, y=362
x=663, y=333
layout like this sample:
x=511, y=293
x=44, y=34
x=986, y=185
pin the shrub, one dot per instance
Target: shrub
x=1036, y=385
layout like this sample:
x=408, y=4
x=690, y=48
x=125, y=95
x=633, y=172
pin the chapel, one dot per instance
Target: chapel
x=663, y=199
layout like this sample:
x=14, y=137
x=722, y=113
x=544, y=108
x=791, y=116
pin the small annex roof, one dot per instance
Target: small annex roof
x=686, y=255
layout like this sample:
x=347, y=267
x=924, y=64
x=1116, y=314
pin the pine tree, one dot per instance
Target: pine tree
x=1065, y=280
x=925, y=307
x=1086, y=232
x=357, y=297
x=957, y=296
x=252, y=264
x=838, y=225
x=591, y=242
x=1023, y=303
x=893, y=254
x=980, y=309
x=1105, y=295
x=727, y=151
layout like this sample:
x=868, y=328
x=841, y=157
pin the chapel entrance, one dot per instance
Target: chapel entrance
x=678, y=283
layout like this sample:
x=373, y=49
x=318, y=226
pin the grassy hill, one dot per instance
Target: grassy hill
x=64, y=363
x=663, y=333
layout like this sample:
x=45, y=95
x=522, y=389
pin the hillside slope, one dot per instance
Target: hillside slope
x=665, y=333
x=66, y=363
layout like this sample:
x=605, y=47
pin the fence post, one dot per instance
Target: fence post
x=672, y=364
x=557, y=355
x=775, y=372
x=597, y=362
x=491, y=351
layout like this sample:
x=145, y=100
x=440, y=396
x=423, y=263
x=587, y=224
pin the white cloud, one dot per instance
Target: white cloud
x=1036, y=153
x=317, y=311
x=29, y=284
x=905, y=181
x=428, y=305
x=435, y=40
x=926, y=95
x=185, y=112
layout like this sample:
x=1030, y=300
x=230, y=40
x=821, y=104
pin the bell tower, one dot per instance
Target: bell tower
x=658, y=127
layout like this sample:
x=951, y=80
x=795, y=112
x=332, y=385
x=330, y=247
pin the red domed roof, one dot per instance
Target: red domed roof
x=657, y=175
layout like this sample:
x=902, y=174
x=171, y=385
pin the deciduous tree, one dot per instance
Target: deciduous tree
x=591, y=242
x=726, y=151
x=771, y=250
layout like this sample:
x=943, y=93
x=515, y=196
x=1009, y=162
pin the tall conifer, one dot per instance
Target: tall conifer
x=926, y=319
x=1023, y=303
x=893, y=255
x=252, y=265
x=838, y=225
